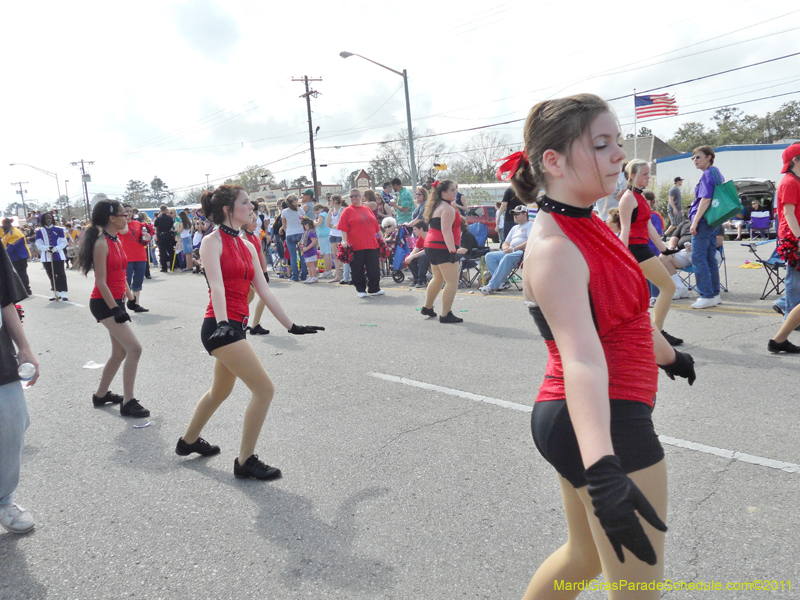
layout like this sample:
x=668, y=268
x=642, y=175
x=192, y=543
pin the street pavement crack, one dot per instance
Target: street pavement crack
x=426, y=425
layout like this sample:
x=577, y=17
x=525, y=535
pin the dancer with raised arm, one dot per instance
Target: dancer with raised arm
x=231, y=264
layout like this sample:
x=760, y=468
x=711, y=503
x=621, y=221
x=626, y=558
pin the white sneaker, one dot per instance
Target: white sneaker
x=362, y=294
x=486, y=290
x=704, y=303
x=717, y=299
x=312, y=280
x=681, y=292
x=325, y=275
x=653, y=301
x=504, y=286
x=15, y=518
x=378, y=293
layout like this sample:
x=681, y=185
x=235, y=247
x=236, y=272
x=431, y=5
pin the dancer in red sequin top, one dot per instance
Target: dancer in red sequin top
x=586, y=293
x=101, y=251
x=636, y=230
x=231, y=263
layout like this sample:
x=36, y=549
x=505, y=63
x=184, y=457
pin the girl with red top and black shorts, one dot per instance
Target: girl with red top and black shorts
x=592, y=417
x=249, y=230
x=231, y=264
x=441, y=246
x=102, y=251
x=636, y=229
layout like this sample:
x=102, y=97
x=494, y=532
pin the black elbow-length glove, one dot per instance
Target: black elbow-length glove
x=616, y=499
x=682, y=367
x=305, y=329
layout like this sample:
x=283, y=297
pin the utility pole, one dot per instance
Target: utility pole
x=21, y=192
x=207, y=187
x=85, y=187
x=66, y=193
x=307, y=96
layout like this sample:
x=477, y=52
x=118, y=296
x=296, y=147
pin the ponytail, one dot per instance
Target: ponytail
x=86, y=253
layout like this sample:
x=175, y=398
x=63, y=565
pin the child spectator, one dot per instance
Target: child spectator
x=308, y=248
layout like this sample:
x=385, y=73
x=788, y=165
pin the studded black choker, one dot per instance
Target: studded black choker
x=228, y=230
x=549, y=205
x=637, y=190
x=113, y=238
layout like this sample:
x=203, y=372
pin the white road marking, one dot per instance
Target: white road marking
x=665, y=439
x=62, y=301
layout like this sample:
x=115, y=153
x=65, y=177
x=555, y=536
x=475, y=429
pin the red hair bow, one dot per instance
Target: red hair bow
x=511, y=165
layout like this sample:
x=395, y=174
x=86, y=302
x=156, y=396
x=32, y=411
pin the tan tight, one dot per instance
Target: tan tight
x=124, y=346
x=446, y=273
x=588, y=551
x=656, y=273
x=234, y=361
x=792, y=321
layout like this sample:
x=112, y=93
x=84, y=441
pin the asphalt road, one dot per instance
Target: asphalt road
x=389, y=490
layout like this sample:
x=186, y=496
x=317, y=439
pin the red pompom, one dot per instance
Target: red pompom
x=345, y=253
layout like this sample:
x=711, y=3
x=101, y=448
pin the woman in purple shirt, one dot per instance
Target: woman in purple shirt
x=704, y=247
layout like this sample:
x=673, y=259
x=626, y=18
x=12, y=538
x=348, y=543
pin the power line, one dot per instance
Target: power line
x=763, y=62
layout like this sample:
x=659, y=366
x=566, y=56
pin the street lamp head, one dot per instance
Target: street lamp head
x=345, y=54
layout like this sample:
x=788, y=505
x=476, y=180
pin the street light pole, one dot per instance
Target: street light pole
x=21, y=192
x=404, y=75
x=58, y=187
x=66, y=193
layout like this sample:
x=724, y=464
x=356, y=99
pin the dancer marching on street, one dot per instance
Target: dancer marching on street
x=230, y=264
x=592, y=417
x=101, y=251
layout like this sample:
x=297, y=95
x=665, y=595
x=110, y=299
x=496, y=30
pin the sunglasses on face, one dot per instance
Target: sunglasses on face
x=355, y=196
x=696, y=158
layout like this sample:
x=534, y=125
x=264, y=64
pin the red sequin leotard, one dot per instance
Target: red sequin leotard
x=619, y=298
x=236, y=264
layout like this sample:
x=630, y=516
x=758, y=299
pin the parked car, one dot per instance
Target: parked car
x=486, y=214
x=763, y=190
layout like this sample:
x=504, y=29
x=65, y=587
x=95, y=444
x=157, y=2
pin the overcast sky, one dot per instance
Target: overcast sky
x=181, y=89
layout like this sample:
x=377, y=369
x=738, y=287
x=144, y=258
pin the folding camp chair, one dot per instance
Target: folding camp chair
x=772, y=267
x=473, y=265
x=759, y=224
x=686, y=273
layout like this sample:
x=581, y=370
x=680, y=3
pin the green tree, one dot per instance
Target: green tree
x=192, y=196
x=12, y=209
x=691, y=135
x=159, y=192
x=784, y=123
x=301, y=181
x=643, y=132
x=137, y=193
x=252, y=177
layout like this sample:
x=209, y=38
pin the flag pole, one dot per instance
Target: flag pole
x=635, y=127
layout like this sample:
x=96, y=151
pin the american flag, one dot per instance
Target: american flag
x=655, y=105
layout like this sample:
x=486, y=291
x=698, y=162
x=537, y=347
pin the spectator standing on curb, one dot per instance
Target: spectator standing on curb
x=164, y=238
x=704, y=248
x=675, y=206
x=506, y=210
x=788, y=209
x=359, y=230
x=17, y=249
x=404, y=205
x=420, y=198
x=134, y=242
x=292, y=232
x=14, y=419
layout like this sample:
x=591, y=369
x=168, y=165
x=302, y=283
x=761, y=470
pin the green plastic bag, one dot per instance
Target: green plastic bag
x=724, y=204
